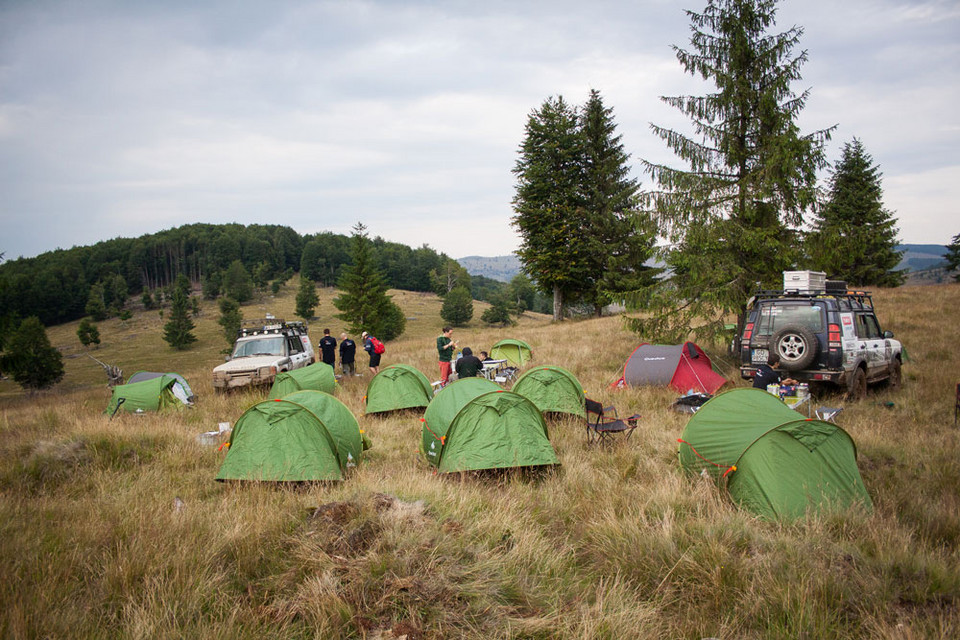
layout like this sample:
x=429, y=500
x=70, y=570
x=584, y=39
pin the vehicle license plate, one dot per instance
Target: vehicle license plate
x=759, y=356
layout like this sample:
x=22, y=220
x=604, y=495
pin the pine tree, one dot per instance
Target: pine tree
x=363, y=301
x=729, y=217
x=88, y=333
x=549, y=203
x=30, y=358
x=617, y=238
x=307, y=299
x=178, y=332
x=953, y=255
x=237, y=283
x=457, y=307
x=96, y=306
x=230, y=319
x=854, y=238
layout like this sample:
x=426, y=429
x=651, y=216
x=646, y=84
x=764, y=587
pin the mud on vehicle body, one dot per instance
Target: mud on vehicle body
x=829, y=336
x=263, y=349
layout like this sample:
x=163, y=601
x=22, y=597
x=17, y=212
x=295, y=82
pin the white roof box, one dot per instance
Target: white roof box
x=805, y=281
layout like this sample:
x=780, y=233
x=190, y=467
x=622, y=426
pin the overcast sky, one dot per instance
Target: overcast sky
x=124, y=118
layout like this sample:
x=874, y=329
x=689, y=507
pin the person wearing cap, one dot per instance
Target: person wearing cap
x=374, y=356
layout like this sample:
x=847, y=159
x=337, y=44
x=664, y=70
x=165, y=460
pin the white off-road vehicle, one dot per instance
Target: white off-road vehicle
x=262, y=350
x=822, y=332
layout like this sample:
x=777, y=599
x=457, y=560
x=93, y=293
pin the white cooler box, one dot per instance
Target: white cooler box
x=805, y=281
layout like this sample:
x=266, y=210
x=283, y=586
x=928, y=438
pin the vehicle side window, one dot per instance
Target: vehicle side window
x=867, y=327
x=293, y=345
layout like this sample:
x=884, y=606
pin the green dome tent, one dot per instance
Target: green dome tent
x=776, y=463
x=494, y=429
x=152, y=394
x=304, y=436
x=398, y=386
x=516, y=352
x=180, y=388
x=552, y=389
x=317, y=377
x=444, y=407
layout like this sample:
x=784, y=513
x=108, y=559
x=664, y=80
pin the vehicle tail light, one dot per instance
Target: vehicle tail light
x=833, y=336
x=747, y=332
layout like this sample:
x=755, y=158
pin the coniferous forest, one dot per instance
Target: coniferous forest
x=56, y=286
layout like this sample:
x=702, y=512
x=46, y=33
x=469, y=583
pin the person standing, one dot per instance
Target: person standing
x=328, y=348
x=348, y=351
x=469, y=365
x=445, y=349
x=374, y=356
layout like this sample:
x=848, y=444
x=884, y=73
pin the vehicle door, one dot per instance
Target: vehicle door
x=870, y=344
x=297, y=354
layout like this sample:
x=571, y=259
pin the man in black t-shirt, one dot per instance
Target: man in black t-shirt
x=770, y=374
x=328, y=348
x=468, y=365
x=348, y=351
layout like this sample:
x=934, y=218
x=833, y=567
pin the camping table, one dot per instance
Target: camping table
x=492, y=367
x=796, y=403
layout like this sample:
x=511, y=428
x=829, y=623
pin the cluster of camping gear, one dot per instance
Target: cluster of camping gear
x=773, y=461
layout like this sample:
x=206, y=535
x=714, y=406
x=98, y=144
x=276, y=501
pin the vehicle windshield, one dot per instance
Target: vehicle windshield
x=267, y=346
x=774, y=317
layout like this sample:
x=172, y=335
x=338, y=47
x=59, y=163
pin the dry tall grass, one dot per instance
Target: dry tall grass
x=117, y=529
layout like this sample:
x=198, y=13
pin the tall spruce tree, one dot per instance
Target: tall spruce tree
x=307, y=299
x=231, y=319
x=363, y=301
x=618, y=238
x=730, y=216
x=549, y=203
x=854, y=237
x=953, y=256
x=178, y=332
x=29, y=357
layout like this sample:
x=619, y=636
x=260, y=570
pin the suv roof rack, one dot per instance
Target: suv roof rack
x=862, y=297
x=265, y=326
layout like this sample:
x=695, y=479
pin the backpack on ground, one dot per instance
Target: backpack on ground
x=377, y=345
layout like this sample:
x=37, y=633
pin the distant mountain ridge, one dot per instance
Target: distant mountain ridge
x=916, y=257
x=502, y=268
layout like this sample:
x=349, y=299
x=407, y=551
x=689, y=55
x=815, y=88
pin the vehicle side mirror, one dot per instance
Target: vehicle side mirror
x=888, y=334
x=226, y=358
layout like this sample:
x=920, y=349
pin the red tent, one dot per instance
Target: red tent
x=684, y=367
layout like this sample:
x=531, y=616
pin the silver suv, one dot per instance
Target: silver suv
x=829, y=336
x=262, y=350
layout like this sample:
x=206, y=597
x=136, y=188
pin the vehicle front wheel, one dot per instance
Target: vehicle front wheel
x=895, y=381
x=857, y=390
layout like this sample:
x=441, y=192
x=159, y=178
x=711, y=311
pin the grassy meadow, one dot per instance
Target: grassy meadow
x=116, y=528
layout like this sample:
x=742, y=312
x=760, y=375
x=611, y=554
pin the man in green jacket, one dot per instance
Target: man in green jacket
x=445, y=349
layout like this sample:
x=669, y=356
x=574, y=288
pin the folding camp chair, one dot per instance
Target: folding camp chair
x=603, y=422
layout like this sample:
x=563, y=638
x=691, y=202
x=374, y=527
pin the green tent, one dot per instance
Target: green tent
x=317, y=377
x=516, y=352
x=304, y=436
x=149, y=395
x=398, y=386
x=552, y=389
x=495, y=429
x=776, y=463
x=444, y=408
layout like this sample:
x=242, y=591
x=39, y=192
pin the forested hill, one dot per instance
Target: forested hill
x=55, y=286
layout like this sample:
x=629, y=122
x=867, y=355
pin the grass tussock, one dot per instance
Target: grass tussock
x=115, y=527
